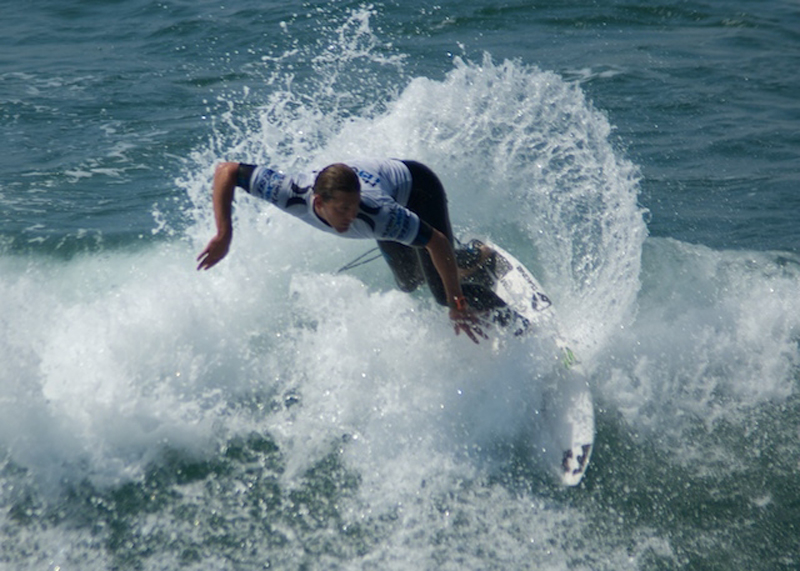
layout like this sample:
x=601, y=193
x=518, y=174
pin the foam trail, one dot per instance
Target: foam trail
x=150, y=356
x=523, y=154
x=716, y=336
x=534, y=185
x=525, y=158
x=272, y=412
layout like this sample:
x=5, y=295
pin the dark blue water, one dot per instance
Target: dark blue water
x=641, y=158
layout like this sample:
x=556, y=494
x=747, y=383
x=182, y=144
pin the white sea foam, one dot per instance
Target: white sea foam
x=109, y=358
x=716, y=334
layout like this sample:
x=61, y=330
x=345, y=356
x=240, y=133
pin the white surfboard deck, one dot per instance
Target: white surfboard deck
x=570, y=410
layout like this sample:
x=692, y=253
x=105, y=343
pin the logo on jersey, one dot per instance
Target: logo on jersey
x=398, y=224
x=368, y=178
x=267, y=185
x=299, y=196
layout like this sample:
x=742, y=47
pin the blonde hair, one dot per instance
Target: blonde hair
x=337, y=177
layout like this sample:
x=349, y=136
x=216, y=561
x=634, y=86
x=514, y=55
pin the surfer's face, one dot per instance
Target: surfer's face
x=340, y=210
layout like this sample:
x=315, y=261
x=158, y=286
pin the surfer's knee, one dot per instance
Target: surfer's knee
x=407, y=278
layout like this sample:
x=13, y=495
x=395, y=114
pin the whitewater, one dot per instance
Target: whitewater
x=276, y=413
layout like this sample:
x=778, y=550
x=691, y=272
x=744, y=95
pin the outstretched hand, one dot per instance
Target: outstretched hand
x=468, y=322
x=216, y=249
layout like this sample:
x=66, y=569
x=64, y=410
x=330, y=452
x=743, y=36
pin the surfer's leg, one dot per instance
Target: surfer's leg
x=404, y=264
x=429, y=201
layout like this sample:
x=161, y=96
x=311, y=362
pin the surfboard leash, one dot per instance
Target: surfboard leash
x=360, y=261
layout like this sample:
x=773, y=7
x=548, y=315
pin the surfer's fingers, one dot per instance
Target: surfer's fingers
x=479, y=325
x=205, y=259
x=471, y=335
x=208, y=261
x=469, y=330
x=476, y=332
x=214, y=252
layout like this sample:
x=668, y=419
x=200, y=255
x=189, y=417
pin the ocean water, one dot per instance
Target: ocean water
x=641, y=158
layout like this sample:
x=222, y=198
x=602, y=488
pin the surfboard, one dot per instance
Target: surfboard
x=503, y=286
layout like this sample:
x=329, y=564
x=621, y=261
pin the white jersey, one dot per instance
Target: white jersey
x=382, y=215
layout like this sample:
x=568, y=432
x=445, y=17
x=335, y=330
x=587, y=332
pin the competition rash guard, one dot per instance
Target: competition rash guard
x=382, y=215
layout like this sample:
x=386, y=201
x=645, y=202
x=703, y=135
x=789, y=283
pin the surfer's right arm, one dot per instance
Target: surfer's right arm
x=444, y=260
x=225, y=177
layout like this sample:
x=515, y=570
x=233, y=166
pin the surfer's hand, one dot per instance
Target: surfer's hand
x=216, y=249
x=467, y=321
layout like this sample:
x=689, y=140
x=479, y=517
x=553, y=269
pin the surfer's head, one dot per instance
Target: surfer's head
x=337, y=177
x=337, y=194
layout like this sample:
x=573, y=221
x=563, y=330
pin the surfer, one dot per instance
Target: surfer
x=401, y=204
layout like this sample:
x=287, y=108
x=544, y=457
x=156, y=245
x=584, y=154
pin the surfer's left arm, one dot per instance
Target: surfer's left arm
x=444, y=259
x=222, y=197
